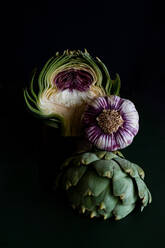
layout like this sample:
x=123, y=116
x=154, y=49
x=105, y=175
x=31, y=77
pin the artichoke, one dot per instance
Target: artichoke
x=65, y=84
x=102, y=183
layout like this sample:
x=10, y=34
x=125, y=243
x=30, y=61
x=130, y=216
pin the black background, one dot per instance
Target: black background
x=128, y=38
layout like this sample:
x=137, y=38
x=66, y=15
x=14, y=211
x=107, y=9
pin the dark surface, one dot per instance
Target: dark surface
x=127, y=37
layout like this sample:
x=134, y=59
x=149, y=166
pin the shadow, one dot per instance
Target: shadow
x=52, y=153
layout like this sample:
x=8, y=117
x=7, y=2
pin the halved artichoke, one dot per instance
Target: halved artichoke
x=103, y=184
x=65, y=84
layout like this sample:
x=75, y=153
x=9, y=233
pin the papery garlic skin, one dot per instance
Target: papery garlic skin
x=125, y=131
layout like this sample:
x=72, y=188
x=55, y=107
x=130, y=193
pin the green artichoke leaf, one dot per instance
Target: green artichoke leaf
x=88, y=203
x=116, y=85
x=127, y=166
x=92, y=184
x=57, y=183
x=118, y=153
x=67, y=162
x=73, y=175
x=85, y=158
x=112, y=87
x=124, y=188
x=105, y=168
x=100, y=198
x=53, y=120
x=140, y=170
x=110, y=155
x=121, y=210
x=118, y=173
x=100, y=154
x=30, y=103
x=74, y=197
x=82, y=159
x=32, y=85
x=110, y=201
x=108, y=83
x=143, y=192
x=150, y=196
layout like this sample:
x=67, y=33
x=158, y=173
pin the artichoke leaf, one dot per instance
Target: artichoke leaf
x=57, y=183
x=108, y=83
x=124, y=188
x=110, y=155
x=88, y=203
x=150, y=196
x=85, y=159
x=92, y=184
x=74, y=174
x=100, y=154
x=67, y=162
x=140, y=171
x=105, y=168
x=100, y=198
x=121, y=210
x=143, y=192
x=110, y=200
x=116, y=84
x=74, y=197
x=127, y=166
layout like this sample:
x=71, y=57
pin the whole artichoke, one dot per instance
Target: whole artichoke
x=103, y=184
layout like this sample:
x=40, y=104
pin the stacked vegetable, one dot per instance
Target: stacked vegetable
x=77, y=95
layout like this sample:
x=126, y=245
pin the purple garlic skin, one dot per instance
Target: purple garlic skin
x=111, y=122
